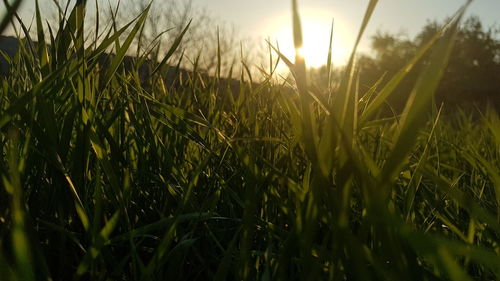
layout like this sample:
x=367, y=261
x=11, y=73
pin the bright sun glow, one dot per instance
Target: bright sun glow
x=316, y=36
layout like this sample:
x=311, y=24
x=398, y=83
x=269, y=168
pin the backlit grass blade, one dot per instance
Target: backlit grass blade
x=494, y=175
x=99, y=242
x=42, y=44
x=344, y=108
x=12, y=183
x=18, y=104
x=173, y=48
x=300, y=64
x=343, y=101
x=415, y=179
x=448, y=188
x=288, y=63
x=97, y=23
x=122, y=51
x=388, y=89
x=102, y=155
x=219, y=58
x=309, y=127
x=329, y=61
x=110, y=39
x=11, y=10
x=493, y=122
x=414, y=114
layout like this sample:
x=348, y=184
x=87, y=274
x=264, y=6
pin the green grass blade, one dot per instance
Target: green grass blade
x=329, y=61
x=172, y=49
x=388, y=89
x=122, y=51
x=414, y=114
x=11, y=10
x=42, y=44
x=343, y=102
x=99, y=242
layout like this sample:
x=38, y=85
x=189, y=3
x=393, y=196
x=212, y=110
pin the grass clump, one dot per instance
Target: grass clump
x=109, y=177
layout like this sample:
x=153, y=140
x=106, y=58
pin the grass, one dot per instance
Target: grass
x=106, y=177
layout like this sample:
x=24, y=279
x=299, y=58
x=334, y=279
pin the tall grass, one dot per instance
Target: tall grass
x=109, y=177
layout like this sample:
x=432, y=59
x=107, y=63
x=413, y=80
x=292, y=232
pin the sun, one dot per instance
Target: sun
x=316, y=27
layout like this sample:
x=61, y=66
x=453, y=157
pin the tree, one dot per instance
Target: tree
x=391, y=52
x=472, y=75
x=205, y=37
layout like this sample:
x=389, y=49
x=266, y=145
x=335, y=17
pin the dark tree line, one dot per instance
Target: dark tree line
x=471, y=79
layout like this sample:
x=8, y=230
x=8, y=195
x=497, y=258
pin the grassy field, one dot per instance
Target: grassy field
x=108, y=177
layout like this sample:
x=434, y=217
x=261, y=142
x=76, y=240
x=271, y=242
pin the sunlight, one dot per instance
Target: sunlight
x=300, y=52
x=316, y=34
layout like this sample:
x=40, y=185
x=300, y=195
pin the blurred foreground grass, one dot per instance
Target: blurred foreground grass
x=109, y=177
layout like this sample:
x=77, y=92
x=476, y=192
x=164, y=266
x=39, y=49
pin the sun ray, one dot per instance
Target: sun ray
x=316, y=28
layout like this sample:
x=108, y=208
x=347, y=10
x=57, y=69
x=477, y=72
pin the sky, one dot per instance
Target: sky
x=262, y=19
x=271, y=18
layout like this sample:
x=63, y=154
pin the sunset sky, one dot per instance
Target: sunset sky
x=272, y=19
x=260, y=19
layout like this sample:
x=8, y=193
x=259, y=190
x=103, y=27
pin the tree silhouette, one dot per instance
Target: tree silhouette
x=472, y=76
x=205, y=36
